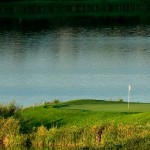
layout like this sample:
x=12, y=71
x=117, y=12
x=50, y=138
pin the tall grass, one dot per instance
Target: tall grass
x=99, y=136
x=102, y=136
x=10, y=132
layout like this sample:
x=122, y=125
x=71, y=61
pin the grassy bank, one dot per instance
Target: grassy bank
x=79, y=124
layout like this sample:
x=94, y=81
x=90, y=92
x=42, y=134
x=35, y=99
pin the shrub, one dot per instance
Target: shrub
x=8, y=110
x=56, y=101
x=119, y=99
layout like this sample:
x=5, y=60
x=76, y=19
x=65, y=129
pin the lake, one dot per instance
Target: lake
x=69, y=62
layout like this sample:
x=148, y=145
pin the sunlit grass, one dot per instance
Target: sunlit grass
x=85, y=112
x=79, y=124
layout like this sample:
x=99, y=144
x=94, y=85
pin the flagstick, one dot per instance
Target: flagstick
x=129, y=88
x=128, y=98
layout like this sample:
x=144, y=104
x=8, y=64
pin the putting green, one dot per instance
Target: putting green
x=108, y=106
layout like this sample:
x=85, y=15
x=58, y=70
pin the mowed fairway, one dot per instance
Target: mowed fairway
x=106, y=106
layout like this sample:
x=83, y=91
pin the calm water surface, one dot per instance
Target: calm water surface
x=72, y=63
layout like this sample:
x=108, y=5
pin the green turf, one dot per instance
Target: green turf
x=85, y=112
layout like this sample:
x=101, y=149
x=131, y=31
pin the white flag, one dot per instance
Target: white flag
x=129, y=87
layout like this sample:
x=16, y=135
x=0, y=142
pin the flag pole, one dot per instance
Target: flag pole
x=129, y=88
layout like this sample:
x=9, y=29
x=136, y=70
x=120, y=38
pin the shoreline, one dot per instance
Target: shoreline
x=119, y=11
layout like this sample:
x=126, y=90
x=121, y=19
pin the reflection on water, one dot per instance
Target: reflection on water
x=69, y=63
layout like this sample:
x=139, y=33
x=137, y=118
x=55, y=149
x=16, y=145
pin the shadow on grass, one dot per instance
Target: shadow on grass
x=55, y=124
x=61, y=105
